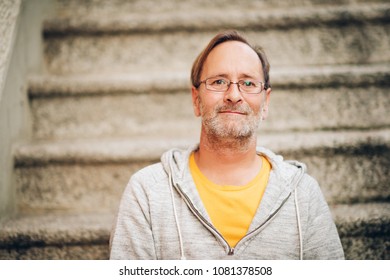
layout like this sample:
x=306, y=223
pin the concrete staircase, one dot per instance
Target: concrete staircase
x=116, y=94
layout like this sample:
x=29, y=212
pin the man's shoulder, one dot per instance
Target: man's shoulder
x=152, y=172
x=172, y=161
x=285, y=166
x=290, y=170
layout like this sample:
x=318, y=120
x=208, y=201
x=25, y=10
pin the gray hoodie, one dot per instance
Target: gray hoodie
x=161, y=216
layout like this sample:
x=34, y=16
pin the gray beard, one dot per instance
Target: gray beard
x=240, y=130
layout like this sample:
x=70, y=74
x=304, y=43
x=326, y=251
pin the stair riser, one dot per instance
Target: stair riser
x=65, y=252
x=352, y=179
x=140, y=6
x=355, y=248
x=130, y=115
x=99, y=187
x=73, y=187
x=366, y=248
x=106, y=53
x=120, y=115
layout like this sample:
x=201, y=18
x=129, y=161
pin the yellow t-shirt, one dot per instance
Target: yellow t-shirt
x=231, y=208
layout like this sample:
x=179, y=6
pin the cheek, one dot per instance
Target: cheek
x=197, y=109
x=255, y=105
x=208, y=104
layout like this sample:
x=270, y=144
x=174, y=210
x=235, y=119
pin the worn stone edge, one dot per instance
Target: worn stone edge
x=357, y=220
x=127, y=150
x=128, y=83
x=210, y=20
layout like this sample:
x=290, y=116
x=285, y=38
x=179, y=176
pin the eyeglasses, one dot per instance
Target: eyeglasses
x=221, y=84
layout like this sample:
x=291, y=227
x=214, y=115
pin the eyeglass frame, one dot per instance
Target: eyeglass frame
x=263, y=87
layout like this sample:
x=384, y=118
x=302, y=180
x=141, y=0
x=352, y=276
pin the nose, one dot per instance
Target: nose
x=233, y=94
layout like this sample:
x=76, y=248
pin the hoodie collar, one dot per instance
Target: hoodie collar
x=176, y=162
x=283, y=179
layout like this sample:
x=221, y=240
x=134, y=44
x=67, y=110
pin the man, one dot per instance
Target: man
x=226, y=198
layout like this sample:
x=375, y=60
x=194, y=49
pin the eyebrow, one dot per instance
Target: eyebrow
x=242, y=76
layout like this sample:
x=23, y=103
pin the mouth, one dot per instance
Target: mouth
x=232, y=112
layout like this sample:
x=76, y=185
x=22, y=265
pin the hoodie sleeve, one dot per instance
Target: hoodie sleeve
x=132, y=237
x=321, y=239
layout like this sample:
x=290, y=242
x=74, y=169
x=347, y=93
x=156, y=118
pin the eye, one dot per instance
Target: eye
x=248, y=83
x=218, y=81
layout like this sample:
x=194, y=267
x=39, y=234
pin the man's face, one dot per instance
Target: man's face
x=230, y=114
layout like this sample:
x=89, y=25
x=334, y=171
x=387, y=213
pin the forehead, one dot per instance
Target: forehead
x=233, y=58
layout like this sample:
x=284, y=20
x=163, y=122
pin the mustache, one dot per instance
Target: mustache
x=242, y=108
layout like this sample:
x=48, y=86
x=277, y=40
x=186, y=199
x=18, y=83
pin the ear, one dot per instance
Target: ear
x=195, y=101
x=264, y=113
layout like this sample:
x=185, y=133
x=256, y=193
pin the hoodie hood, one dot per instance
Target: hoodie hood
x=176, y=163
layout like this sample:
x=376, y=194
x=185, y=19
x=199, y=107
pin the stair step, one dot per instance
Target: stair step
x=81, y=175
x=140, y=105
x=104, y=9
x=56, y=236
x=364, y=230
x=339, y=34
x=201, y=18
x=45, y=86
x=91, y=174
x=142, y=148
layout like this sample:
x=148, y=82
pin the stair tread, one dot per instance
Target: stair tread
x=368, y=219
x=100, y=7
x=94, y=228
x=174, y=81
x=177, y=19
x=55, y=229
x=151, y=148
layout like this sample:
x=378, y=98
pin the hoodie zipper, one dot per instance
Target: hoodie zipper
x=231, y=250
x=254, y=232
x=204, y=221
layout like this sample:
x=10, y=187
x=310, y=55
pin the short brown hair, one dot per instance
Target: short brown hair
x=230, y=35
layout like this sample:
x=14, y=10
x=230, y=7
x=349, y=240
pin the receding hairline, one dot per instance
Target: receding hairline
x=243, y=45
x=220, y=38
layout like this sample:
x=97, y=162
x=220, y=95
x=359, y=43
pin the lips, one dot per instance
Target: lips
x=242, y=109
x=233, y=112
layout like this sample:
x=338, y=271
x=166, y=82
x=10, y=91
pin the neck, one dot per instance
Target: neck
x=228, y=147
x=228, y=161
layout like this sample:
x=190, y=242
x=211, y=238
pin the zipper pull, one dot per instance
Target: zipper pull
x=231, y=251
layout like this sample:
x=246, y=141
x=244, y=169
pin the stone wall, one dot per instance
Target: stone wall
x=9, y=11
x=9, y=23
x=20, y=53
